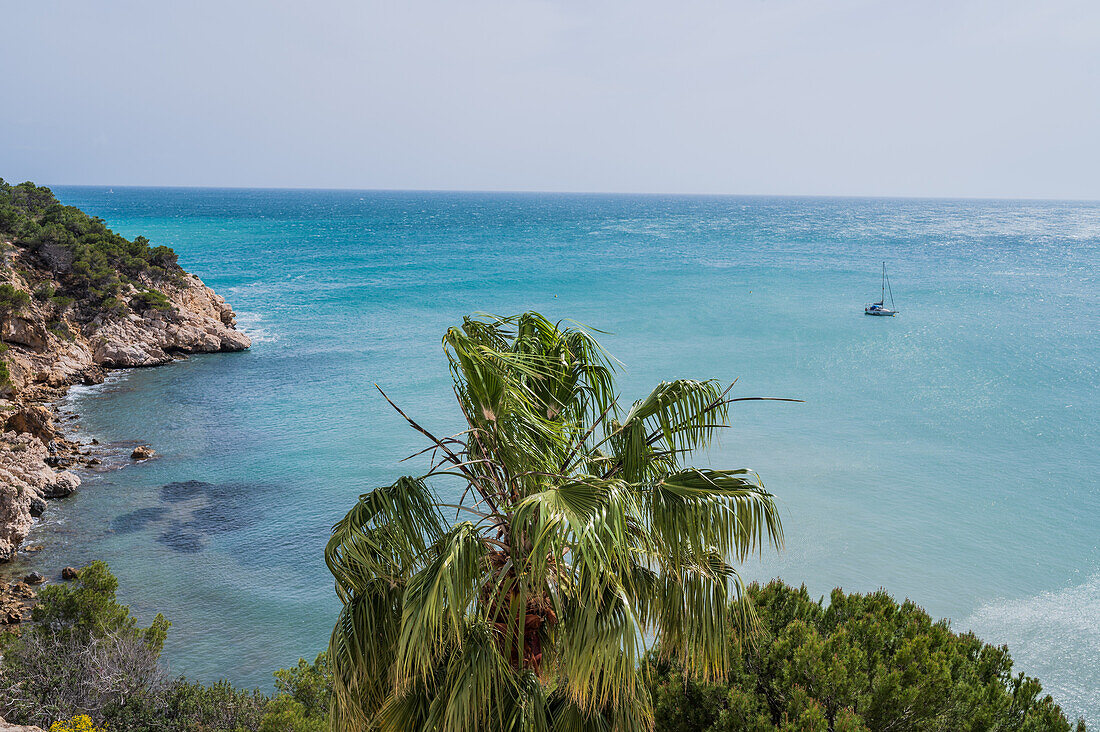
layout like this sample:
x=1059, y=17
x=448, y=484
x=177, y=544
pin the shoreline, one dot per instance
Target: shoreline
x=37, y=447
x=78, y=301
x=69, y=450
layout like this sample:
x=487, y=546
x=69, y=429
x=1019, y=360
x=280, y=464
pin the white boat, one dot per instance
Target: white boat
x=879, y=308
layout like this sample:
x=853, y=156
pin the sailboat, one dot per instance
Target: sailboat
x=879, y=308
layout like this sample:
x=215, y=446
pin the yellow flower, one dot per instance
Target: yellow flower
x=79, y=723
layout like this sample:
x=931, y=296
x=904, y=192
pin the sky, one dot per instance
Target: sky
x=969, y=98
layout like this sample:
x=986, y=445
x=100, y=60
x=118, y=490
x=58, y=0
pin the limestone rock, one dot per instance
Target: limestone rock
x=69, y=573
x=25, y=481
x=142, y=452
x=34, y=420
x=26, y=332
x=62, y=485
x=5, y=727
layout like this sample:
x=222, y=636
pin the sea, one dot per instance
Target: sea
x=950, y=454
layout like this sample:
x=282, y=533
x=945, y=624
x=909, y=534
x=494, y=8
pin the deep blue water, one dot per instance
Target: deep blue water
x=949, y=455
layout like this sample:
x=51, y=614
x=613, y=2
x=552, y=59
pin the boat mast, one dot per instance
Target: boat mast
x=883, y=298
x=891, y=289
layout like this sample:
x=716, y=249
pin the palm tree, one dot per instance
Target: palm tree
x=584, y=539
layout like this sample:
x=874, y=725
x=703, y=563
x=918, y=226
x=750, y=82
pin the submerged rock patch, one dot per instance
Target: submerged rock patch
x=137, y=520
x=181, y=537
x=183, y=490
x=192, y=512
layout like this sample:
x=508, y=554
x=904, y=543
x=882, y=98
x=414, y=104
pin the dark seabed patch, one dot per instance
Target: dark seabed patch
x=137, y=520
x=183, y=490
x=182, y=537
x=216, y=518
x=219, y=508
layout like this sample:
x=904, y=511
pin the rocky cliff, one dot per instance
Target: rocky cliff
x=77, y=299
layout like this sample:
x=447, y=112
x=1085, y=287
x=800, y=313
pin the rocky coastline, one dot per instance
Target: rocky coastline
x=48, y=351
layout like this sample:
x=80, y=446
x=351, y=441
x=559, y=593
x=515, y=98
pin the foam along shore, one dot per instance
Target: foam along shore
x=61, y=325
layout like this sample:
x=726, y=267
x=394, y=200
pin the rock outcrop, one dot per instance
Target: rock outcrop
x=142, y=452
x=71, y=351
x=34, y=420
x=5, y=727
x=26, y=480
x=53, y=343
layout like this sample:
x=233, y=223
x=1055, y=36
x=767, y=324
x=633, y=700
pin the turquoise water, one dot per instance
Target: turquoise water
x=949, y=455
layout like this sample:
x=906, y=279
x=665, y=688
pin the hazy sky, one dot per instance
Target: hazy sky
x=851, y=97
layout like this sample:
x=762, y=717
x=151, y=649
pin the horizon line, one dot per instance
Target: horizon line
x=884, y=197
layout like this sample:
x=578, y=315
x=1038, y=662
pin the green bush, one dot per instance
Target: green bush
x=88, y=608
x=89, y=259
x=305, y=693
x=286, y=715
x=150, y=300
x=61, y=301
x=86, y=654
x=862, y=663
x=113, y=305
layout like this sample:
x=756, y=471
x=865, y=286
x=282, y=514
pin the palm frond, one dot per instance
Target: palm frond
x=361, y=654
x=691, y=609
x=478, y=680
x=436, y=600
x=726, y=509
x=677, y=417
x=383, y=535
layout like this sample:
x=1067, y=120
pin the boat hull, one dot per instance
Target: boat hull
x=884, y=313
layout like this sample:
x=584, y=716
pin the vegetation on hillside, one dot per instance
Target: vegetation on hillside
x=861, y=663
x=90, y=261
x=586, y=535
x=87, y=656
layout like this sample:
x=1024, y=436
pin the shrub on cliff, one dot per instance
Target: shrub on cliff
x=5, y=372
x=88, y=608
x=863, y=663
x=305, y=695
x=149, y=300
x=86, y=654
x=89, y=259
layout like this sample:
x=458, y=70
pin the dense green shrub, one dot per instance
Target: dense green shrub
x=150, y=300
x=88, y=608
x=89, y=259
x=13, y=300
x=5, y=372
x=86, y=654
x=186, y=706
x=305, y=693
x=862, y=663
